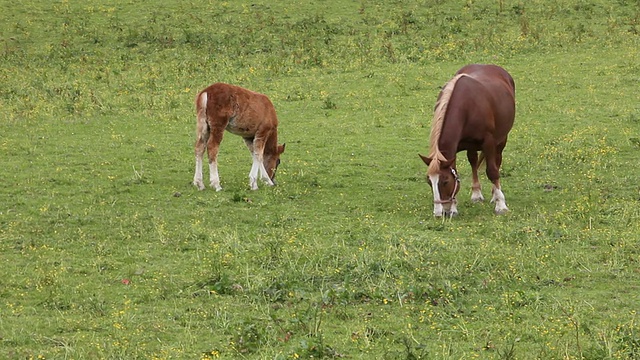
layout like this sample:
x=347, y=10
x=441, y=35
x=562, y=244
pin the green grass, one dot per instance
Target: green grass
x=109, y=252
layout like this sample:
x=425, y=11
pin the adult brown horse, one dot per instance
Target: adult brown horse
x=243, y=112
x=474, y=112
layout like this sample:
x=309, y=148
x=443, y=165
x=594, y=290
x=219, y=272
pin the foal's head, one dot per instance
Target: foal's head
x=445, y=183
x=271, y=162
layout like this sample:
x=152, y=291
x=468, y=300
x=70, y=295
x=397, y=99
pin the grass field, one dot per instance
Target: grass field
x=109, y=252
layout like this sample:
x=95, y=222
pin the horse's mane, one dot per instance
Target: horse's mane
x=437, y=124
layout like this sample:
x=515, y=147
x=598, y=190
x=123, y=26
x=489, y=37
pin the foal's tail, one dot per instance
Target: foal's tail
x=202, y=128
x=202, y=125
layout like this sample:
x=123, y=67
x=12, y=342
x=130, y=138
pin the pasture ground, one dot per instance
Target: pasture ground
x=109, y=252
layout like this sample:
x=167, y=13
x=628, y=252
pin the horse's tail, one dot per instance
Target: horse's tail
x=438, y=122
x=202, y=128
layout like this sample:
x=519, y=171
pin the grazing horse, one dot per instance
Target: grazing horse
x=243, y=112
x=474, y=112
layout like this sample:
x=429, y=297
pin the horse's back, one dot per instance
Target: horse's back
x=487, y=95
x=492, y=75
x=499, y=88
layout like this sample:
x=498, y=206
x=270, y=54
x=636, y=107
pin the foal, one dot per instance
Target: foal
x=242, y=112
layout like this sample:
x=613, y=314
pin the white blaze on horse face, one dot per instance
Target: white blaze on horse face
x=498, y=198
x=437, y=206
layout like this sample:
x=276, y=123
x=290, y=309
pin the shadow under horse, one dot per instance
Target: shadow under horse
x=474, y=112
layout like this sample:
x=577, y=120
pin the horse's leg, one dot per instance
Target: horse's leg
x=202, y=136
x=476, y=193
x=493, y=172
x=213, y=145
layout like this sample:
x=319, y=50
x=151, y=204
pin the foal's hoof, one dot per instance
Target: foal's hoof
x=199, y=185
x=501, y=211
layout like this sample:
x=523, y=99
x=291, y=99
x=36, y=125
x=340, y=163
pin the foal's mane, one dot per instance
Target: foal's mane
x=437, y=124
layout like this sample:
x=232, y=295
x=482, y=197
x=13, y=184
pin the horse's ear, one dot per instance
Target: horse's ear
x=426, y=160
x=281, y=148
x=446, y=164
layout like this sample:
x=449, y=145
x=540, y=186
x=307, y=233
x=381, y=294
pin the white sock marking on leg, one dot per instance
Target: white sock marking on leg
x=499, y=199
x=214, y=178
x=197, y=177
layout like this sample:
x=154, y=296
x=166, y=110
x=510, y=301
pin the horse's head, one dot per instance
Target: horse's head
x=445, y=184
x=271, y=162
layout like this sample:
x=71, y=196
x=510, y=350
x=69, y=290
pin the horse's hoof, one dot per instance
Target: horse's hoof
x=476, y=196
x=501, y=211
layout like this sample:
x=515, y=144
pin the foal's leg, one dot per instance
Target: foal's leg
x=256, y=147
x=253, y=173
x=476, y=193
x=493, y=172
x=202, y=136
x=213, y=145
